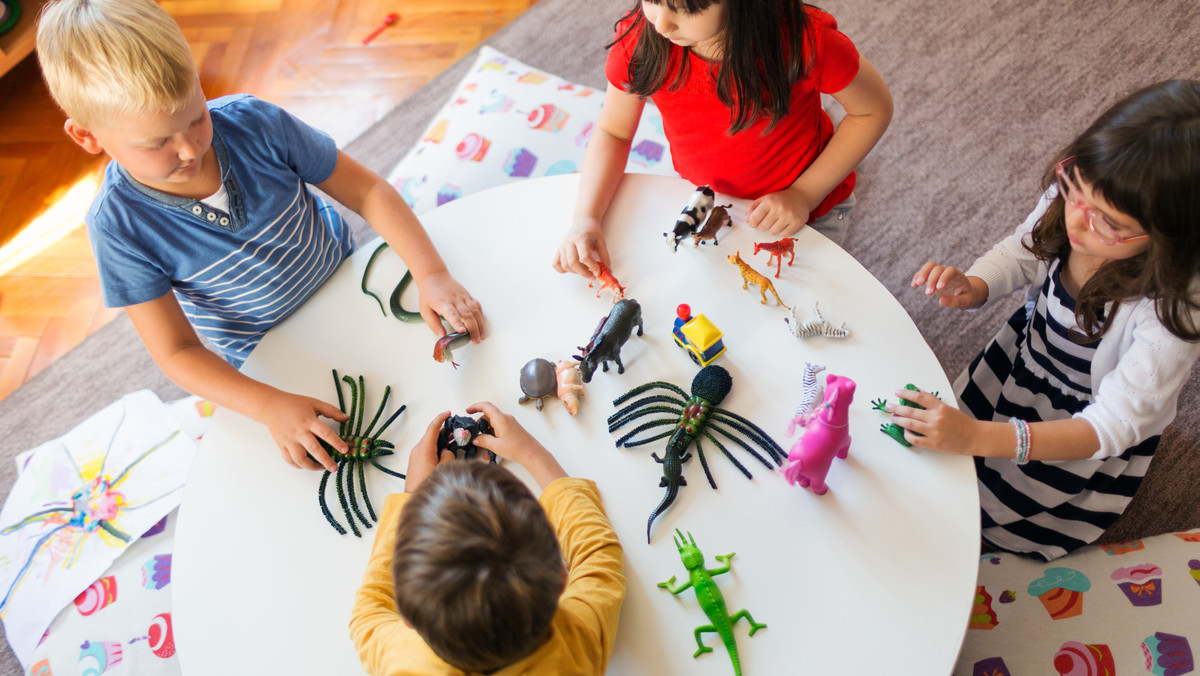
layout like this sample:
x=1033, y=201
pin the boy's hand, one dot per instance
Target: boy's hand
x=952, y=288
x=424, y=457
x=582, y=249
x=938, y=427
x=442, y=296
x=295, y=425
x=512, y=442
x=779, y=213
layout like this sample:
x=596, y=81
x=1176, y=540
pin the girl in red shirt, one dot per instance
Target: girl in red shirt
x=739, y=86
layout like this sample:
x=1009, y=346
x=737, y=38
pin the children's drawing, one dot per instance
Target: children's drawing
x=78, y=502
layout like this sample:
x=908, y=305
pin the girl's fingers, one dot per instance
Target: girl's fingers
x=920, y=396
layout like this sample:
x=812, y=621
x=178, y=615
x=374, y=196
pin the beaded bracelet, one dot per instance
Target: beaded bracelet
x=1023, y=440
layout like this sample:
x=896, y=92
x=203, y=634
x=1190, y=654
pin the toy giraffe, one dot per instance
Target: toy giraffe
x=749, y=276
x=710, y=597
x=777, y=250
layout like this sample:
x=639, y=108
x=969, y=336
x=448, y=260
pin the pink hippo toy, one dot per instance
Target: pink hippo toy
x=827, y=435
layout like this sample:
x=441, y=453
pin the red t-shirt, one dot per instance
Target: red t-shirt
x=748, y=164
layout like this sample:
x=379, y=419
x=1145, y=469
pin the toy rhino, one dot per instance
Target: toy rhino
x=610, y=335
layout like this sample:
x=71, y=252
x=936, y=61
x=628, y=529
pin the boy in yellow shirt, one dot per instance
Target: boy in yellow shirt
x=470, y=573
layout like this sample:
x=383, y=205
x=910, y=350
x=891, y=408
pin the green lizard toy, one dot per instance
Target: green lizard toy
x=710, y=597
x=892, y=429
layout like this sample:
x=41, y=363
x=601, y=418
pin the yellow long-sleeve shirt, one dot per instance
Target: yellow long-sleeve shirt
x=583, y=629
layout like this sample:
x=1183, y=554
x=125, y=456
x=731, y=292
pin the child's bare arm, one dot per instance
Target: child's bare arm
x=946, y=429
x=868, y=105
x=513, y=442
x=951, y=287
x=293, y=420
x=373, y=198
x=603, y=165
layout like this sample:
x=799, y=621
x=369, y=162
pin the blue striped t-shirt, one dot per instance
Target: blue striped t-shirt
x=236, y=272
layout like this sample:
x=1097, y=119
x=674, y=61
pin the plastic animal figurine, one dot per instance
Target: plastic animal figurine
x=712, y=601
x=570, y=385
x=441, y=348
x=693, y=215
x=692, y=415
x=777, y=249
x=811, y=393
x=749, y=276
x=365, y=448
x=610, y=335
x=814, y=327
x=717, y=218
x=458, y=434
x=699, y=336
x=892, y=429
x=827, y=435
x=608, y=281
x=537, y=382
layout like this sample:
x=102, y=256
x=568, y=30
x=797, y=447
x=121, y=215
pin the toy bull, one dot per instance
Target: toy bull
x=717, y=219
x=610, y=335
x=692, y=216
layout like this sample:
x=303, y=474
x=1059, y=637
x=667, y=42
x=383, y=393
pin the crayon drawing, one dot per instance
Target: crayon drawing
x=78, y=502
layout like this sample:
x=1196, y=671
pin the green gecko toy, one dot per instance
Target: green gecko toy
x=892, y=429
x=710, y=597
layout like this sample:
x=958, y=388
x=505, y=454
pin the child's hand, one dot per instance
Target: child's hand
x=938, y=427
x=295, y=425
x=952, y=288
x=512, y=442
x=779, y=213
x=582, y=249
x=442, y=296
x=424, y=457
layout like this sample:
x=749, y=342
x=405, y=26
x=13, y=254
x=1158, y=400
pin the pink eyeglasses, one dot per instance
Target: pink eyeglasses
x=1101, y=227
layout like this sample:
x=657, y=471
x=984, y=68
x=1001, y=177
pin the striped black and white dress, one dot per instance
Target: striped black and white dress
x=1033, y=370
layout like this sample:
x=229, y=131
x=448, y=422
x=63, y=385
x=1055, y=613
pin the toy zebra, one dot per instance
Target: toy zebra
x=815, y=327
x=811, y=395
x=692, y=216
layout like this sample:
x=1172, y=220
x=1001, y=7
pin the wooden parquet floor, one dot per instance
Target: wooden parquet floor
x=305, y=55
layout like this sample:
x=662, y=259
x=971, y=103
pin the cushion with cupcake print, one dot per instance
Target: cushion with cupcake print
x=1105, y=610
x=507, y=121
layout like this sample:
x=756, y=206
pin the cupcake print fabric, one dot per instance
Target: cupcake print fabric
x=1106, y=610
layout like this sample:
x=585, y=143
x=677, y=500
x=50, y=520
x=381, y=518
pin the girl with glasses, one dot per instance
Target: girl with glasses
x=1064, y=407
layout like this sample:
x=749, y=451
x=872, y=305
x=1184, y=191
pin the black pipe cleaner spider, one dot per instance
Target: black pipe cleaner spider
x=694, y=415
x=365, y=447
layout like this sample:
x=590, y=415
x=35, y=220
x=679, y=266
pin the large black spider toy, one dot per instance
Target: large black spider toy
x=365, y=447
x=692, y=415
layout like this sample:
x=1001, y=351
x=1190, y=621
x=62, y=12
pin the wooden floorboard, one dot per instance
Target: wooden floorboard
x=305, y=55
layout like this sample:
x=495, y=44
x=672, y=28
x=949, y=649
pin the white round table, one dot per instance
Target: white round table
x=876, y=576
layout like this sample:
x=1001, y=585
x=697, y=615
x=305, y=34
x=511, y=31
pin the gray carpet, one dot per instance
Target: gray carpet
x=985, y=93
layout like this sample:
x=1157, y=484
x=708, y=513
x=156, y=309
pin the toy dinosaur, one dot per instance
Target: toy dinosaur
x=712, y=601
x=777, y=249
x=749, y=276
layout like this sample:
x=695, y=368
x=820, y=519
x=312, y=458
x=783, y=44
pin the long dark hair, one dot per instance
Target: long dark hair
x=763, y=53
x=1142, y=156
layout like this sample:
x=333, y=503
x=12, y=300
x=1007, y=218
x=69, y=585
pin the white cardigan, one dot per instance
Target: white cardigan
x=1138, y=368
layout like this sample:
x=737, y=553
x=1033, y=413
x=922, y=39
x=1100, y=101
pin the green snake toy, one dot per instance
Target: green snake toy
x=398, y=311
x=710, y=597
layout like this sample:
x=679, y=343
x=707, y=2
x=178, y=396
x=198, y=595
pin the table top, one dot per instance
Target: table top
x=878, y=572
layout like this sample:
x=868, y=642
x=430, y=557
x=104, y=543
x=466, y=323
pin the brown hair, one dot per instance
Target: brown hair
x=1142, y=156
x=763, y=53
x=477, y=569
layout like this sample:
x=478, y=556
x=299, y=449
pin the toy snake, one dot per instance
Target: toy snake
x=398, y=310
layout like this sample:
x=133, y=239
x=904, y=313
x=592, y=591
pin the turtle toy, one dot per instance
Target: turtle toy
x=538, y=381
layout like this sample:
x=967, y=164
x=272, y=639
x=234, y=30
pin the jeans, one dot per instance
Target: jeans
x=836, y=221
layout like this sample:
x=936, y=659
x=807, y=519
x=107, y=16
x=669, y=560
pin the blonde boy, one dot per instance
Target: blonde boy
x=204, y=224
